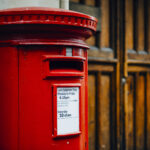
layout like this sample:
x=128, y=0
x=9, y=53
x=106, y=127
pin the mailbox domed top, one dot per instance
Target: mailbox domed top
x=36, y=15
x=48, y=26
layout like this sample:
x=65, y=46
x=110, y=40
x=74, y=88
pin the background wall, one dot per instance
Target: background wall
x=119, y=74
x=4, y=4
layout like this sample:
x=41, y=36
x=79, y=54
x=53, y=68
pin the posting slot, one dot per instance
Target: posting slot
x=64, y=66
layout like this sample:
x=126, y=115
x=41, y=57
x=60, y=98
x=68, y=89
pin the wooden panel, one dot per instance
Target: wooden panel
x=148, y=110
x=129, y=114
x=138, y=57
x=129, y=24
x=104, y=55
x=138, y=68
x=105, y=35
x=148, y=26
x=90, y=2
x=91, y=110
x=140, y=115
x=140, y=25
x=91, y=41
x=104, y=111
x=118, y=106
x=96, y=67
x=77, y=1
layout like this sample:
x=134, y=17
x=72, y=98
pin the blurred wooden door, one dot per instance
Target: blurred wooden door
x=103, y=74
x=119, y=74
x=136, y=71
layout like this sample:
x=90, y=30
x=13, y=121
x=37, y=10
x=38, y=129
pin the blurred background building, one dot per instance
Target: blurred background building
x=119, y=74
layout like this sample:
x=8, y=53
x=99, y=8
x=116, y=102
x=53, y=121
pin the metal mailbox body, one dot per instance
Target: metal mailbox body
x=43, y=79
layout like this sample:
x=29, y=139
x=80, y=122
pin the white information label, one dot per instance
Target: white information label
x=67, y=110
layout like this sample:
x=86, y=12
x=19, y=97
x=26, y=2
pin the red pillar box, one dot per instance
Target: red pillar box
x=43, y=79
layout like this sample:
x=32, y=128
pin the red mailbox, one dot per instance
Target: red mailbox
x=43, y=79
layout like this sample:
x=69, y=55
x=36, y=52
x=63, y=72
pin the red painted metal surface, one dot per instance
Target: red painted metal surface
x=33, y=60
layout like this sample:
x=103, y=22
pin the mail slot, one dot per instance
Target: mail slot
x=43, y=79
x=64, y=66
